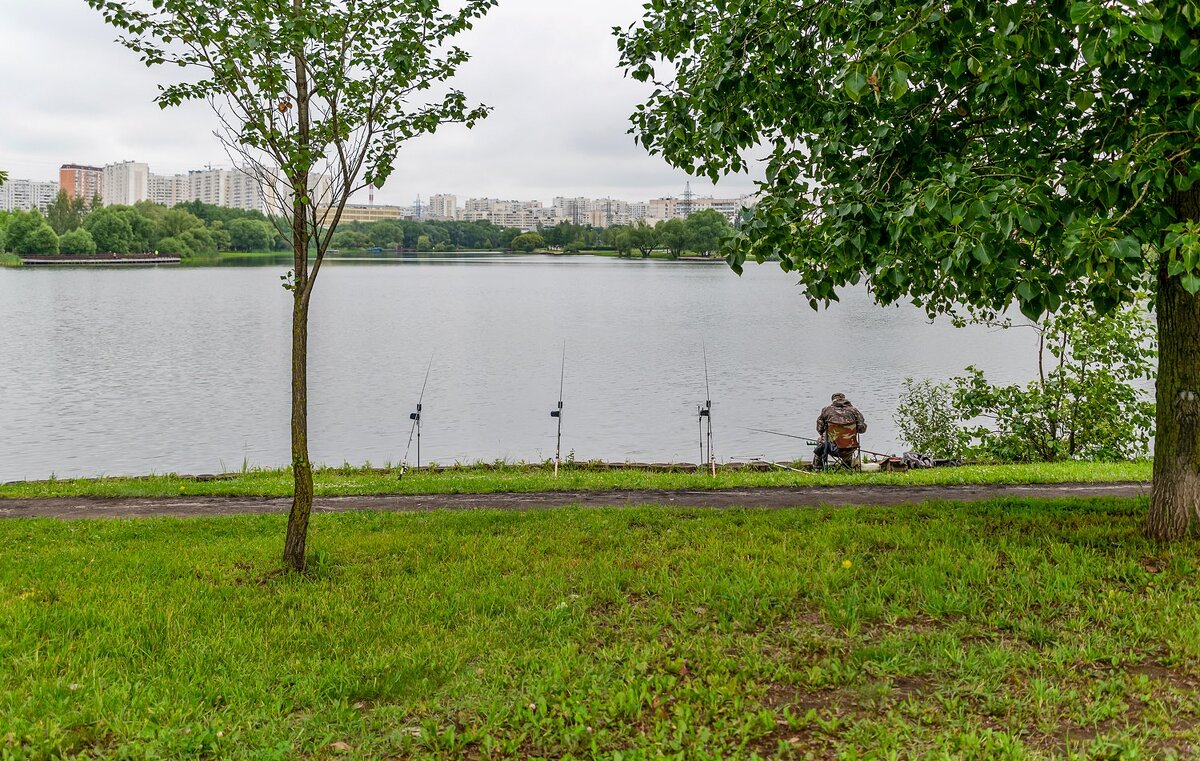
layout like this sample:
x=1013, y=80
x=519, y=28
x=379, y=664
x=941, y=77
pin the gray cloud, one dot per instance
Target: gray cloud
x=548, y=67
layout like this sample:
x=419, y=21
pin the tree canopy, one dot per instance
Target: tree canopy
x=964, y=152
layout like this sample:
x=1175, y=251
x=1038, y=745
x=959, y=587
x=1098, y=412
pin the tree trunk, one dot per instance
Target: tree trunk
x=302, y=484
x=302, y=492
x=1175, y=502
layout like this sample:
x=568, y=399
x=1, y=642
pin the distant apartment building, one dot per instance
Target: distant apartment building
x=79, y=181
x=661, y=209
x=210, y=186
x=245, y=191
x=168, y=190
x=442, y=208
x=26, y=195
x=126, y=183
x=598, y=212
x=366, y=213
x=523, y=215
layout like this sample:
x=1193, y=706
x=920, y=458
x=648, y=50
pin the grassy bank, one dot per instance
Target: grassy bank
x=994, y=630
x=480, y=479
x=9, y=260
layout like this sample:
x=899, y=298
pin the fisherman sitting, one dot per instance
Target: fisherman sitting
x=839, y=418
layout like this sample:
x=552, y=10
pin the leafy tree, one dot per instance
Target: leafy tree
x=220, y=236
x=39, y=239
x=331, y=87
x=643, y=237
x=174, y=246
x=706, y=229
x=673, y=234
x=65, y=213
x=77, y=241
x=528, y=242
x=249, y=235
x=424, y=243
x=351, y=239
x=174, y=222
x=619, y=239
x=198, y=241
x=21, y=225
x=110, y=229
x=981, y=153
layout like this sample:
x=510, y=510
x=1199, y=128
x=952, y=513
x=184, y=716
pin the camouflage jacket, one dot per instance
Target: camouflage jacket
x=841, y=412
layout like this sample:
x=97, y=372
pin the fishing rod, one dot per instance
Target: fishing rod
x=415, y=417
x=812, y=441
x=562, y=374
x=704, y=417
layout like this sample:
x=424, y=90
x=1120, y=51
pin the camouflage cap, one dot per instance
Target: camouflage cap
x=838, y=396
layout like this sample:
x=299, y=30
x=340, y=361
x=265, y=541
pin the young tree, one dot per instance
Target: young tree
x=64, y=213
x=958, y=152
x=315, y=97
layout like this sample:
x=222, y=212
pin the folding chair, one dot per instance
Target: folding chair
x=845, y=438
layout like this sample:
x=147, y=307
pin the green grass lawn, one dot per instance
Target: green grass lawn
x=993, y=630
x=512, y=478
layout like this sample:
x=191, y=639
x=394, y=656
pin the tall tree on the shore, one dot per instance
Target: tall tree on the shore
x=65, y=213
x=316, y=98
x=959, y=152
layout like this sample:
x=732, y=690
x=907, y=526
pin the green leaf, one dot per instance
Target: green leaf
x=855, y=84
x=1081, y=13
x=1084, y=100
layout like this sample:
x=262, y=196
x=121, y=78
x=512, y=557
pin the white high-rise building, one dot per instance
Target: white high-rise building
x=524, y=215
x=672, y=208
x=245, y=191
x=26, y=195
x=126, y=183
x=210, y=186
x=442, y=207
x=168, y=190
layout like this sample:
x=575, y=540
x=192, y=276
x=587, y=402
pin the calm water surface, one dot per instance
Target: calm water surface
x=158, y=370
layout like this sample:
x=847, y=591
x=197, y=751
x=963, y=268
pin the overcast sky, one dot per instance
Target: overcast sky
x=69, y=94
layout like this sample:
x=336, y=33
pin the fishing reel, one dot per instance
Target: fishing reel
x=704, y=410
x=557, y=412
x=416, y=416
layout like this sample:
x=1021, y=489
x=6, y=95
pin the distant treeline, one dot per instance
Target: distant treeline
x=701, y=233
x=197, y=230
x=75, y=226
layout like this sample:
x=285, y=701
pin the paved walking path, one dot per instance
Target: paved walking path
x=770, y=497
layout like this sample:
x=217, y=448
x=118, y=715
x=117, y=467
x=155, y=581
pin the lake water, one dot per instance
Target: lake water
x=186, y=370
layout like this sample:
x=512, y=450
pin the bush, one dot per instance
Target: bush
x=927, y=419
x=77, y=242
x=1084, y=404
